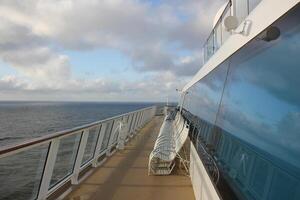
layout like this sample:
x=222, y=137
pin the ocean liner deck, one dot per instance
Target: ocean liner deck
x=125, y=174
x=241, y=110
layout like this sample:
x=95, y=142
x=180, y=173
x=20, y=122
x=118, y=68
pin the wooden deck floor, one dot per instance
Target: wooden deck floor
x=125, y=175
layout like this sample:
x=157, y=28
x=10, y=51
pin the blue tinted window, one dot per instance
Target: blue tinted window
x=204, y=97
x=261, y=103
x=257, y=127
x=203, y=100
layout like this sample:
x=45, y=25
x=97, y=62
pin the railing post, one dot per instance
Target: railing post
x=142, y=119
x=129, y=124
x=122, y=134
x=99, y=144
x=148, y=115
x=138, y=121
x=145, y=116
x=111, y=138
x=48, y=171
x=132, y=124
x=80, y=154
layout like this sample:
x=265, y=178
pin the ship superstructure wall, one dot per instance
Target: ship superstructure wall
x=246, y=112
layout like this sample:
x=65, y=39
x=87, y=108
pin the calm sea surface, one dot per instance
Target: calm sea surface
x=24, y=120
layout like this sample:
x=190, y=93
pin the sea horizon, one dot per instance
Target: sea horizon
x=23, y=120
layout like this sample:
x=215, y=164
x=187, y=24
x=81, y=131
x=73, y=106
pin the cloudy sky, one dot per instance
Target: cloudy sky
x=101, y=50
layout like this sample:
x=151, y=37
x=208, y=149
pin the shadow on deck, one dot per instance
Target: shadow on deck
x=125, y=174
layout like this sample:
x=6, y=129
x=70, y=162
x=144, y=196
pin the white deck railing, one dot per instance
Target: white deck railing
x=218, y=36
x=38, y=168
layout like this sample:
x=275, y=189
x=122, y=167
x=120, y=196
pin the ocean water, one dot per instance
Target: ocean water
x=25, y=120
x=20, y=173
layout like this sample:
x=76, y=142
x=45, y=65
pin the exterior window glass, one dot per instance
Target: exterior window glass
x=203, y=101
x=261, y=103
x=261, y=111
x=255, y=124
x=204, y=97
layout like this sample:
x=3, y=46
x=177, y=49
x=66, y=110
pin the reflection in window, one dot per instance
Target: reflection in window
x=257, y=125
x=261, y=104
x=261, y=110
x=204, y=97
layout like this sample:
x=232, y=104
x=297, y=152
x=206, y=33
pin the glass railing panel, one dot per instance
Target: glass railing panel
x=65, y=158
x=132, y=123
x=253, y=4
x=129, y=123
x=225, y=34
x=107, y=134
x=218, y=36
x=126, y=119
x=241, y=9
x=21, y=173
x=90, y=145
x=136, y=121
x=115, y=130
x=210, y=45
x=205, y=55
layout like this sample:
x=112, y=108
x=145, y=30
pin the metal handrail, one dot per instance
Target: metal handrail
x=46, y=138
x=136, y=119
x=212, y=33
x=233, y=9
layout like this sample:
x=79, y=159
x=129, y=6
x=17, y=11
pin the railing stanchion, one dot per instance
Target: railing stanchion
x=137, y=122
x=128, y=125
x=132, y=124
x=80, y=154
x=48, y=170
x=142, y=120
x=114, y=130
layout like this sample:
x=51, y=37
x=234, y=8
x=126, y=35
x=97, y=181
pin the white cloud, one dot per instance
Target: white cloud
x=157, y=87
x=151, y=36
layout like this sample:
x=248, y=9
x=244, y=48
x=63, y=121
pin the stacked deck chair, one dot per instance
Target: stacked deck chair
x=172, y=135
